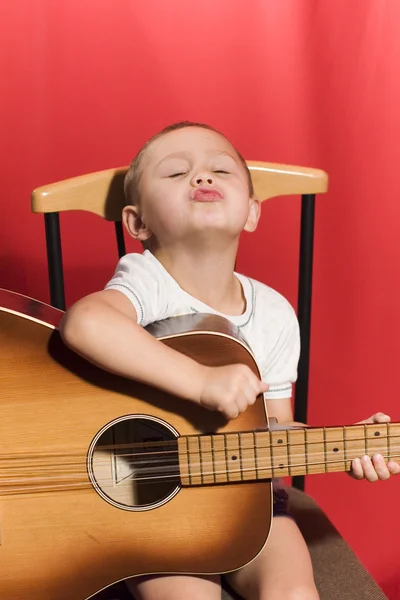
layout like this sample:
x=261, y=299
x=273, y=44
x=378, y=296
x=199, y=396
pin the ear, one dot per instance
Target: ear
x=254, y=214
x=134, y=224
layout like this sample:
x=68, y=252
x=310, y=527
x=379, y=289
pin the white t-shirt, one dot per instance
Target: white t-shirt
x=269, y=323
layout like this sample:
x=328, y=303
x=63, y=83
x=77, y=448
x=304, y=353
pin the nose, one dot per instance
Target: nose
x=201, y=179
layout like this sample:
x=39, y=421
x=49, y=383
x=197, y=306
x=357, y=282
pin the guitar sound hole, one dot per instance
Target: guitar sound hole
x=133, y=462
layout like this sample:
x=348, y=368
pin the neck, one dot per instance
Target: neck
x=206, y=274
x=258, y=455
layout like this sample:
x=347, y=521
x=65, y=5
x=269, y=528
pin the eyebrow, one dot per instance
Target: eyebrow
x=187, y=154
x=173, y=155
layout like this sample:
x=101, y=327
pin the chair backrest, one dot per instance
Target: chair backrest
x=102, y=194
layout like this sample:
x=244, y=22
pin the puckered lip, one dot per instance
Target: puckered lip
x=206, y=194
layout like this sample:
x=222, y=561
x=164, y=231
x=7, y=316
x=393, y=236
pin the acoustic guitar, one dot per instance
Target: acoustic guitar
x=102, y=479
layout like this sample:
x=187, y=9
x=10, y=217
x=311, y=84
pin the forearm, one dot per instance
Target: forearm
x=116, y=343
x=280, y=413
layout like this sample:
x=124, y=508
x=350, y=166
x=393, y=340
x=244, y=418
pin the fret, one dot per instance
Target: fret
x=213, y=458
x=280, y=453
x=355, y=442
x=346, y=460
x=296, y=441
x=365, y=439
x=184, y=468
x=226, y=457
x=240, y=457
x=200, y=459
x=334, y=448
x=194, y=460
x=207, y=463
x=316, y=461
x=255, y=453
x=271, y=457
x=377, y=439
x=248, y=456
x=221, y=475
x=188, y=460
x=393, y=433
x=262, y=443
x=306, y=449
x=326, y=466
x=346, y=441
x=232, y=454
x=289, y=453
x=389, y=449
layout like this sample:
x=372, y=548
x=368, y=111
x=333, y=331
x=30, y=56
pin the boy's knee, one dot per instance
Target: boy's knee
x=304, y=594
x=296, y=593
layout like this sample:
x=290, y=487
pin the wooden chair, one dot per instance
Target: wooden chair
x=338, y=572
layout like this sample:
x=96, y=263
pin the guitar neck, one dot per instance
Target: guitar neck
x=258, y=455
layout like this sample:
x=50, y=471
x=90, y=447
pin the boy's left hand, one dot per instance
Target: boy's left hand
x=374, y=469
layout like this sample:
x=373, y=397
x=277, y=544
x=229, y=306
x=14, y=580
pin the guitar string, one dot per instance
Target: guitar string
x=211, y=473
x=68, y=467
x=164, y=478
x=160, y=467
x=266, y=433
x=88, y=486
x=173, y=455
x=174, y=442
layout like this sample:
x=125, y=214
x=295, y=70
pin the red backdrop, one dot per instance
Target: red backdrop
x=302, y=82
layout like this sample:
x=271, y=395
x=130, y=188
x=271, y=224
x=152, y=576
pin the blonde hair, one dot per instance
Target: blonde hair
x=132, y=177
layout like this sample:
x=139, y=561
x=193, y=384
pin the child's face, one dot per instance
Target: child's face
x=192, y=182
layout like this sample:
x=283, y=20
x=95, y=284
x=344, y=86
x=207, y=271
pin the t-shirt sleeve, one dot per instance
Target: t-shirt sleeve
x=143, y=284
x=281, y=366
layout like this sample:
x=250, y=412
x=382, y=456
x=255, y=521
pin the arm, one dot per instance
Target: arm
x=281, y=410
x=103, y=329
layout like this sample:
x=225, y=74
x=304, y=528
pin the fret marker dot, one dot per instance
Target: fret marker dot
x=281, y=466
x=336, y=449
x=377, y=433
x=234, y=457
x=280, y=441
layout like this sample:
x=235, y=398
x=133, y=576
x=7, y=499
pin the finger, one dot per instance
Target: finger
x=230, y=412
x=369, y=470
x=228, y=408
x=251, y=399
x=376, y=418
x=394, y=467
x=258, y=389
x=243, y=401
x=357, y=470
x=380, y=467
x=258, y=386
x=380, y=418
x=252, y=379
x=251, y=391
x=369, y=420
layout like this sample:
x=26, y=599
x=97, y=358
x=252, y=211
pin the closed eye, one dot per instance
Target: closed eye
x=175, y=175
x=221, y=171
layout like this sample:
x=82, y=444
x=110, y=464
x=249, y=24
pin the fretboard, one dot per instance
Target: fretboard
x=256, y=455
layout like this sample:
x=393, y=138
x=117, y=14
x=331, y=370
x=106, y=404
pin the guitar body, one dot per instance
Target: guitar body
x=69, y=527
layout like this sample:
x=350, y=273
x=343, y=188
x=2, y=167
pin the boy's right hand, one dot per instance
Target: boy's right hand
x=230, y=389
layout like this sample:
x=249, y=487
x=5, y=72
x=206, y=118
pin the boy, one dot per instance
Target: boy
x=189, y=197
